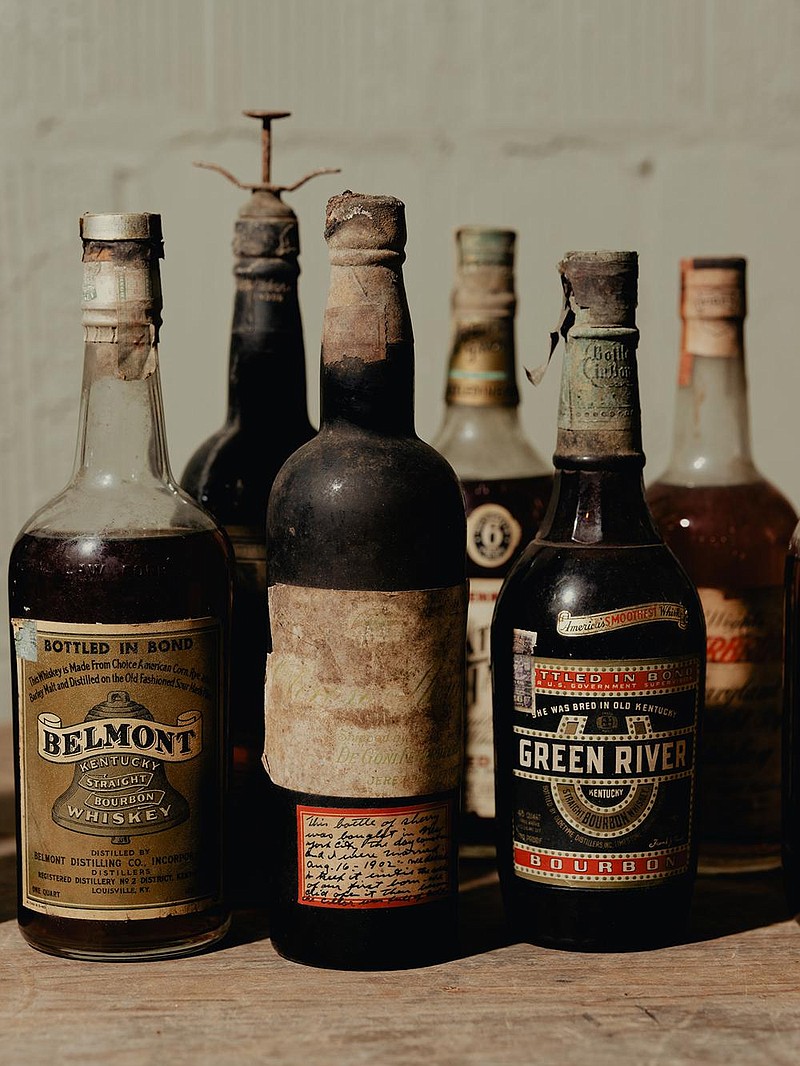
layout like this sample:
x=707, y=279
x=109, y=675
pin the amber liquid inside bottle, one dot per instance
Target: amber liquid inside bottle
x=175, y=575
x=122, y=580
x=734, y=538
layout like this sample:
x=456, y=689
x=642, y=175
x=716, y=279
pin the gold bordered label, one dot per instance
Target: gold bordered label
x=583, y=625
x=604, y=767
x=121, y=767
x=493, y=535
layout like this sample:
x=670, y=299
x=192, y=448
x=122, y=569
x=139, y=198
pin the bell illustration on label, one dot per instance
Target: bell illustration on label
x=125, y=795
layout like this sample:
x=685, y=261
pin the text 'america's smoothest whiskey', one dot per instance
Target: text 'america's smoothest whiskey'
x=120, y=596
x=598, y=647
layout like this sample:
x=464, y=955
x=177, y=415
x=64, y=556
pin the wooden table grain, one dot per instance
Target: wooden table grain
x=731, y=995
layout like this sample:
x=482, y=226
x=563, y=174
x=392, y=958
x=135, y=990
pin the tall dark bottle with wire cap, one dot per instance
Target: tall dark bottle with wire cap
x=598, y=645
x=120, y=595
x=368, y=606
x=231, y=472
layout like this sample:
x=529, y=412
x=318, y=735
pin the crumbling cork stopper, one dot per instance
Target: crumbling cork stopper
x=602, y=287
x=358, y=222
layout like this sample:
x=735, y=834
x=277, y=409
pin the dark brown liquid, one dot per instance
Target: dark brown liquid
x=734, y=539
x=526, y=500
x=85, y=579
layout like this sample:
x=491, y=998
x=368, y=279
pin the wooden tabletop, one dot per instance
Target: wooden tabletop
x=730, y=995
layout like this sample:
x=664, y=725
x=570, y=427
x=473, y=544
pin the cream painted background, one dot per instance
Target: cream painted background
x=671, y=127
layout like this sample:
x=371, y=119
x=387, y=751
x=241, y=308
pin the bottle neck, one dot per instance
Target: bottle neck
x=599, y=507
x=367, y=371
x=121, y=436
x=482, y=365
x=598, y=491
x=267, y=355
x=711, y=436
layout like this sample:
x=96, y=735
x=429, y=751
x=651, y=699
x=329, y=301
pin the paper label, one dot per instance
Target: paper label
x=121, y=767
x=603, y=776
x=374, y=857
x=365, y=691
x=741, y=770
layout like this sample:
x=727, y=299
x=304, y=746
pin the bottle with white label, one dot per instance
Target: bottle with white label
x=120, y=595
x=506, y=483
x=731, y=528
x=365, y=679
x=598, y=645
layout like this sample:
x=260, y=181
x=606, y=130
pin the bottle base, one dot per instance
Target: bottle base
x=602, y=921
x=59, y=947
x=724, y=861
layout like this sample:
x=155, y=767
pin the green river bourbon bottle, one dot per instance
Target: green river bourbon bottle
x=598, y=647
x=368, y=606
x=232, y=472
x=506, y=484
x=120, y=596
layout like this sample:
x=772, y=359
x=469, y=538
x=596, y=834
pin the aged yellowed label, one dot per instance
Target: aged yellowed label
x=365, y=691
x=374, y=857
x=121, y=767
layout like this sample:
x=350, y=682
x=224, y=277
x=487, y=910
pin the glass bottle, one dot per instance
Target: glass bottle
x=368, y=605
x=730, y=527
x=506, y=483
x=598, y=648
x=232, y=472
x=120, y=595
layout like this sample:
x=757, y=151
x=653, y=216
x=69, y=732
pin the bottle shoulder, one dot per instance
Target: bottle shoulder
x=726, y=535
x=602, y=600
x=359, y=510
x=488, y=443
x=114, y=510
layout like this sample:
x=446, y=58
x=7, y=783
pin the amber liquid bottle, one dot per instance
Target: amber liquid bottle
x=730, y=527
x=368, y=604
x=506, y=484
x=120, y=596
x=598, y=650
x=232, y=472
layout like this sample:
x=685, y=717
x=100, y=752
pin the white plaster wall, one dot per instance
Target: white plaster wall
x=671, y=127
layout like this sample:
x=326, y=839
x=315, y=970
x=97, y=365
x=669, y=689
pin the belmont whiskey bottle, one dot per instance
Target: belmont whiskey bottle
x=368, y=604
x=730, y=527
x=598, y=648
x=120, y=596
x=232, y=472
x=506, y=483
